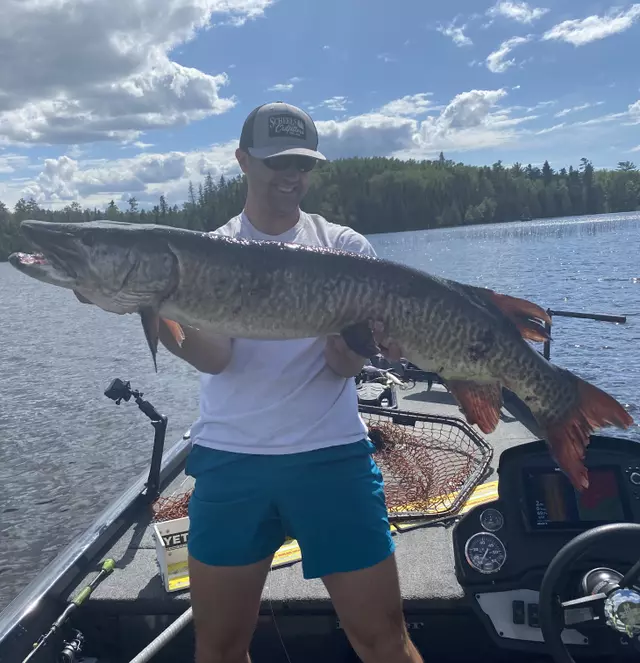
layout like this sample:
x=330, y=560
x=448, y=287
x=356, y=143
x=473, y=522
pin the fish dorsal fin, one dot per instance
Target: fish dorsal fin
x=527, y=316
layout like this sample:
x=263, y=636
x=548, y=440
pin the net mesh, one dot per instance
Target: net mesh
x=430, y=465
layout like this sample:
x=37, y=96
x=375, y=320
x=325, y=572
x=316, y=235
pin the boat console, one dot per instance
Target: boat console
x=503, y=549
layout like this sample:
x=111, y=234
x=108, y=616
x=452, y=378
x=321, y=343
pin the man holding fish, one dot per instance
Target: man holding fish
x=279, y=447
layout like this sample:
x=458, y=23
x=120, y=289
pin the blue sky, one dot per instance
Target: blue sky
x=110, y=99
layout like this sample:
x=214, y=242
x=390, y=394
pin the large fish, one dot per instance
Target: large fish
x=474, y=338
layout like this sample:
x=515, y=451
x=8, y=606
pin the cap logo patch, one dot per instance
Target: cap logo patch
x=281, y=126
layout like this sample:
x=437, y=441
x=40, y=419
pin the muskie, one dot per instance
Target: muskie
x=474, y=338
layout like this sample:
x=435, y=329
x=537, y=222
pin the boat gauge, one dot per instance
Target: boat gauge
x=485, y=552
x=491, y=520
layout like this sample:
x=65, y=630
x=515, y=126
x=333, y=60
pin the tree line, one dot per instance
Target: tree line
x=378, y=194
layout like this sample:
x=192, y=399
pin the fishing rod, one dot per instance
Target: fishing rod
x=107, y=567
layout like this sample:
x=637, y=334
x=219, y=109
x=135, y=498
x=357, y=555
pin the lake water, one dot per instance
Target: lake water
x=66, y=450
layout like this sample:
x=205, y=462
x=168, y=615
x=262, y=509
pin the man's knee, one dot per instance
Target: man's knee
x=388, y=641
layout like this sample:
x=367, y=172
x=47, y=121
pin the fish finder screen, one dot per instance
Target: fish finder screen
x=554, y=504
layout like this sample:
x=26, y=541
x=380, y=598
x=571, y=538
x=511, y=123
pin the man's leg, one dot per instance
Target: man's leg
x=369, y=606
x=225, y=602
x=234, y=531
x=333, y=502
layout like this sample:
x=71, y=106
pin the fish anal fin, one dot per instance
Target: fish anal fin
x=151, y=325
x=176, y=331
x=359, y=337
x=481, y=402
x=568, y=438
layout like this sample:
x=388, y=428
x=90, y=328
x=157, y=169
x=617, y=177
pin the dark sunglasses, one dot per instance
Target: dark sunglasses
x=298, y=161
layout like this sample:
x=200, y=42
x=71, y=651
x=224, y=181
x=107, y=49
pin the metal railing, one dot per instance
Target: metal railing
x=573, y=314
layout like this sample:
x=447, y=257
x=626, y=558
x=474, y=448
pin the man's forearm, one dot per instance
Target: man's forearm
x=205, y=352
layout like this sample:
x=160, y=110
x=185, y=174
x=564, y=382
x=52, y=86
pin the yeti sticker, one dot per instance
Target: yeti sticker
x=286, y=126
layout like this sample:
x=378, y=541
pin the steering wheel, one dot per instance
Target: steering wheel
x=611, y=603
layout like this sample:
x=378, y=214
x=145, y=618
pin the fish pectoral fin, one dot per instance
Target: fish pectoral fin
x=151, y=325
x=481, y=402
x=359, y=337
x=176, y=331
x=569, y=437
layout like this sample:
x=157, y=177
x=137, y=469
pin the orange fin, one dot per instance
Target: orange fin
x=525, y=315
x=480, y=402
x=176, y=331
x=569, y=437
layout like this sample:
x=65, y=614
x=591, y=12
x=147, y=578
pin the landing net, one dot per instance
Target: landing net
x=430, y=464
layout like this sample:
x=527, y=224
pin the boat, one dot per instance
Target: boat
x=505, y=563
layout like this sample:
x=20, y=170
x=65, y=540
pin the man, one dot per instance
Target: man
x=279, y=447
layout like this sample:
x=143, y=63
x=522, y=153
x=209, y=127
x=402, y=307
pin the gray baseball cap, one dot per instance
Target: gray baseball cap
x=279, y=128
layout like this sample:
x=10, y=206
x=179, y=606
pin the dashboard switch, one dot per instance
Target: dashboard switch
x=518, y=612
x=532, y=610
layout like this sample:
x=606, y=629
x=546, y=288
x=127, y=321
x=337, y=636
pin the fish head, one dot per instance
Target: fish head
x=113, y=264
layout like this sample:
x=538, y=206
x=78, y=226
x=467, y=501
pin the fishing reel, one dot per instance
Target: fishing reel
x=71, y=649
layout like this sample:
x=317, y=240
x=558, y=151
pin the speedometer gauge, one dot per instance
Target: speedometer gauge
x=485, y=552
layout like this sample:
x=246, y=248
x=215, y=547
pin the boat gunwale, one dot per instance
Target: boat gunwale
x=59, y=575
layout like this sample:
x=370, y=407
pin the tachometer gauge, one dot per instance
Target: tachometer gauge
x=485, y=552
x=491, y=520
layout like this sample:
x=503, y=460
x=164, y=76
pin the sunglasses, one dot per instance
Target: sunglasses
x=300, y=162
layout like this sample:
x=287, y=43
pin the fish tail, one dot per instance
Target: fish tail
x=481, y=402
x=569, y=436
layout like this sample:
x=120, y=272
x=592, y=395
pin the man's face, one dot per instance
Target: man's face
x=281, y=190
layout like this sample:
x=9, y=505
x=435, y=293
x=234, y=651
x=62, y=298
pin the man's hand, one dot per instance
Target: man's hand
x=341, y=359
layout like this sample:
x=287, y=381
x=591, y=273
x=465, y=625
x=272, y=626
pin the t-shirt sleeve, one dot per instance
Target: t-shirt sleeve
x=353, y=241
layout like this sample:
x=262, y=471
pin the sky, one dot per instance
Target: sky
x=110, y=99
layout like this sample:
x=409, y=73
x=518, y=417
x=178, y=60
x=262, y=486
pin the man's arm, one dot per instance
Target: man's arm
x=339, y=357
x=208, y=353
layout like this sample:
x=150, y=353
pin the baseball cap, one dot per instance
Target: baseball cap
x=279, y=128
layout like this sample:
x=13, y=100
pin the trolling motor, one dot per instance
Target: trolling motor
x=119, y=391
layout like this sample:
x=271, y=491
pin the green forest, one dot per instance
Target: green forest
x=375, y=195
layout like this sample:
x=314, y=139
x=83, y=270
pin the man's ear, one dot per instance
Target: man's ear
x=243, y=159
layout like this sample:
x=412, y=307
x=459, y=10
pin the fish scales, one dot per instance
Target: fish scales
x=474, y=338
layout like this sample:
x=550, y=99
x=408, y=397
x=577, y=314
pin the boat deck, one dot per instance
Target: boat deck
x=424, y=555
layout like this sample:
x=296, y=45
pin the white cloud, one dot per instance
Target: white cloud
x=102, y=71
x=496, y=61
x=518, y=11
x=583, y=31
x=456, y=34
x=145, y=176
x=471, y=120
x=338, y=104
x=575, y=109
x=635, y=149
x=409, y=105
x=284, y=87
x=548, y=130
x=9, y=163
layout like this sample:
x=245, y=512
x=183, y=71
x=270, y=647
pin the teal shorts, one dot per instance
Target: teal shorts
x=330, y=500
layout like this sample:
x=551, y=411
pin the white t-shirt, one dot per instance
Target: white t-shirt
x=278, y=397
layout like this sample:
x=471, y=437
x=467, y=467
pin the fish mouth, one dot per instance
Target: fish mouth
x=39, y=267
x=58, y=245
